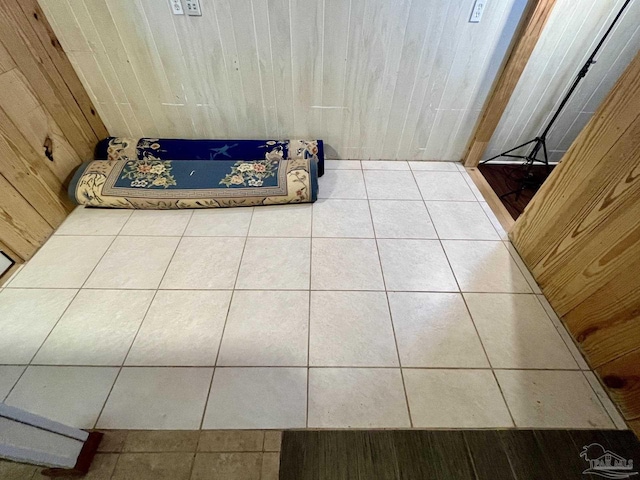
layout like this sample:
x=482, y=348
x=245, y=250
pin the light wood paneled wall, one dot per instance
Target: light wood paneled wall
x=373, y=78
x=42, y=103
x=571, y=33
x=580, y=237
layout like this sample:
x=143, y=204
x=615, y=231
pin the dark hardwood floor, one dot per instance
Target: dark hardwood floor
x=504, y=179
x=453, y=454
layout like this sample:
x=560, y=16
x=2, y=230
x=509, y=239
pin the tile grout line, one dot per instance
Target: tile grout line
x=606, y=410
x=309, y=320
x=386, y=294
x=226, y=319
x=133, y=340
x=515, y=369
x=64, y=311
x=464, y=300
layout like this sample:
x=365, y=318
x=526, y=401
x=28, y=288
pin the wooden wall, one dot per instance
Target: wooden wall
x=373, y=78
x=42, y=103
x=580, y=237
x=572, y=31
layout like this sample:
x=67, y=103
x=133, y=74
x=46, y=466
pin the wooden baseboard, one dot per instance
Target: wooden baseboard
x=500, y=211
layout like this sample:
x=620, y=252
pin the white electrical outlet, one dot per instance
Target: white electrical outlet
x=176, y=7
x=478, y=9
x=193, y=7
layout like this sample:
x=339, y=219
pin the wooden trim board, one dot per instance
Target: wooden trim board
x=525, y=40
x=496, y=206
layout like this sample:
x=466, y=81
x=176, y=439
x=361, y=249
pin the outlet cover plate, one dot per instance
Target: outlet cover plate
x=193, y=8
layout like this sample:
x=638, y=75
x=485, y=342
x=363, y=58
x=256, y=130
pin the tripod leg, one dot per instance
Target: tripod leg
x=546, y=156
x=509, y=151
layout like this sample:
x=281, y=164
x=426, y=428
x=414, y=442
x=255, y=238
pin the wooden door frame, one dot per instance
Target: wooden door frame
x=524, y=41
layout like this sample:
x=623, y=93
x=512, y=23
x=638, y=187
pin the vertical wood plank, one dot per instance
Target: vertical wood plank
x=52, y=48
x=580, y=237
x=22, y=229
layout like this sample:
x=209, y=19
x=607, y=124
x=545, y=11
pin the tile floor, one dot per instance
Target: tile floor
x=396, y=300
x=175, y=455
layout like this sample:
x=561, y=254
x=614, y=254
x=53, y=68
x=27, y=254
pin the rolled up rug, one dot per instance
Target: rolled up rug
x=152, y=183
x=122, y=148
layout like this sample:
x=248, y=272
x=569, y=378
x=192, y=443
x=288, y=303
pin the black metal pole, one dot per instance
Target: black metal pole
x=583, y=71
x=540, y=141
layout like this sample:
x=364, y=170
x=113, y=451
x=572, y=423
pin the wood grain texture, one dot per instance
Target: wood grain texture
x=525, y=41
x=22, y=228
x=48, y=126
x=623, y=382
x=580, y=237
x=373, y=78
x=498, y=208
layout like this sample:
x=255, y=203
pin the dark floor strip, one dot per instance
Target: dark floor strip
x=451, y=455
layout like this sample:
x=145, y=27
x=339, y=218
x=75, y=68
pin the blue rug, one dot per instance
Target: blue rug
x=153, y=183
x=121, y=148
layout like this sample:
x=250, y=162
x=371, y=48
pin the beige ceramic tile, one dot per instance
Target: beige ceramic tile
x=401, y=219
x=494, y=221
x=94, y=221
x=342, y=165
x=231, y=441
x=112, y=441
x=70, y=395
x=461, y=221
x=391, y=185
x=153, y=466
x=443, y=186
x=62, y=262
x=435, y=330
x=455, y=399
x=152, y=398
x=483, y=266
x=606, y=401
x=568, y=340
x=415, y=265
x=17, y=471
x=384, y=165
x=357, y=398
x=204, y=263
x=9, y=375
x=281, y=221
x=257, y=398
x=270, y=466
x=345, y=264
x=134, y=262
x=517, y=333
x=27, y=316
x=161, y=441
x=272, y=441
x=342, y=218
x=433, y=166
x=165, y=223
x=342, y=184
x=219, y=222
x=266, y=328
x=181, y=328
x=523, y=268
x=102, y=467
x=97, y=328
x=365, y=340
x=552, y=399
x=275, y=264
x=227, y=466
